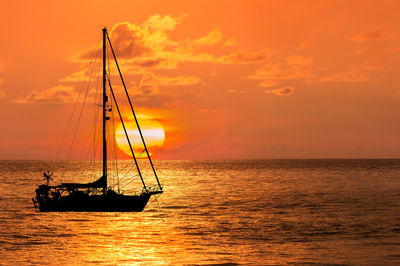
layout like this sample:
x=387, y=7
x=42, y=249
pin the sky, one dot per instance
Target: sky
x=225, y=79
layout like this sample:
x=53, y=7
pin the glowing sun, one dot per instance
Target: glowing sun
x=153, y=133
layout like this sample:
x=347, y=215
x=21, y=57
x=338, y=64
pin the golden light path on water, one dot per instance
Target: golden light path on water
x=255, y=212
x=153, y=133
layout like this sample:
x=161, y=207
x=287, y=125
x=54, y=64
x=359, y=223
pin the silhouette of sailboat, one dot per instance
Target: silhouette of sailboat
x=97, y=196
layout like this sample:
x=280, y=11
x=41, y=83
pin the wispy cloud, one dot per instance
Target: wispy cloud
x=304, y=45
x=2, y=94
x=285, y=91
x=243, y=57
x=268, y=83
x=236, y=91
x=370, y=35
x=295, y=67
x=213, y=37
x=150, y=79
x=78, y=76
x=350, y=76
x=302, y=68
x=55, y=95
x=373, y=64
x=164, y=23
x=393, y=49
x=232, y=42
x=298, y=60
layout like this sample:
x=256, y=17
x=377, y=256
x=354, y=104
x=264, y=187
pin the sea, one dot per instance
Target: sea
x=216, y=212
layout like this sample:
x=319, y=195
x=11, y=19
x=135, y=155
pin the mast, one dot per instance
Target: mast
x=104, y=114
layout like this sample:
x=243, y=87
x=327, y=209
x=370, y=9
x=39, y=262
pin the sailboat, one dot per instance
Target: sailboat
x=97, y=196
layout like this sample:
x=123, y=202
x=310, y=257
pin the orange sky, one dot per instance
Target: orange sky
x=227, y=79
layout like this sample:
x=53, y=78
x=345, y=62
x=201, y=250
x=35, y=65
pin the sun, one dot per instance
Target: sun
x=153, y=134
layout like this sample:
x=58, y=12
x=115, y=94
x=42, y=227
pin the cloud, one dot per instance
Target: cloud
x=149, y=62
x=373, y=64
x=2, y=94
x=165, y=23
x=81, y=75
x=130, y=41
x=243, y=57
x=213, y=37
x=147, y=90
x=150, y=79
x=296, y=67
x=149, y=44
x=370, y=35
x=285, y=91
x=184, y=55
x=345, y=77
x=304, y=45
x=236, y=91
x=298, y=60
x=231, y=42
x=207, y=110
x=394, y=49
x=55, y=95
x=299, y=67
x=268, y=83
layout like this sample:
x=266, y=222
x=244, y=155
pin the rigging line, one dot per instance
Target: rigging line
x=126, y=134
x=126, y=188
x=114, y=144
x=75, y=105
x=89, y=147
x=128, y=165
x=112, y=167
x=134, y=191
x=127, y=172
x=125, y=184
x=154, y=200
x=96, y=136
x=109, y=166
x=128, y=181
x=133, y=112
x=91, y=66
x=95, y=117
x=141, y=153
x=109, y=136
x=80, y=114
x=125, y=177
x=95, y=122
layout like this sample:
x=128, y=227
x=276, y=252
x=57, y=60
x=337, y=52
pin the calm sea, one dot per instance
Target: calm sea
x=260, y=212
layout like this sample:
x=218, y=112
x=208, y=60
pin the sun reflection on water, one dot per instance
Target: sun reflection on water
x=214, y=212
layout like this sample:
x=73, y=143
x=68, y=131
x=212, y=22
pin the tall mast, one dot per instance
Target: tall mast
x=104, y=114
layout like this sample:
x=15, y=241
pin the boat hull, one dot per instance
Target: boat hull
x=95, y=203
